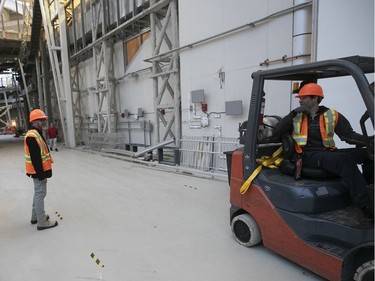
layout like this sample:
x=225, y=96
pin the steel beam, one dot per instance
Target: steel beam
x=58, y=54
x=104, y=70
x=166, y=74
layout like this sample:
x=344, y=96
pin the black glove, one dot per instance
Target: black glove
x=301, y=109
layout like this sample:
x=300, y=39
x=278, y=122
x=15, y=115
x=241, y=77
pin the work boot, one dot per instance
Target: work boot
x=35, y=221
x=47, y=224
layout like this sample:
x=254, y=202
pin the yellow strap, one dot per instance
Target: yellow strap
x=247, y=183
x=272, y=162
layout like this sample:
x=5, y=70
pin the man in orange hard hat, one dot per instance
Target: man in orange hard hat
x=313, y=128
x=38, y=163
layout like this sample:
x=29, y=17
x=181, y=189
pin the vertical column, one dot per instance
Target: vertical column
x=70, y=138
x=39, y=81
x=176, y=75
x=6, y=104
x=302, y=32
x=154, y=71
x=45, y=78
x=1, y=11
x=314, y=29
x=109, y=82
x=165, y=70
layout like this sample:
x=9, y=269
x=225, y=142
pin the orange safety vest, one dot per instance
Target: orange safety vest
x=44, y=153
x=327, y=123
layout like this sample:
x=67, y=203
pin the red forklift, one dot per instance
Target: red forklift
x=311, y=221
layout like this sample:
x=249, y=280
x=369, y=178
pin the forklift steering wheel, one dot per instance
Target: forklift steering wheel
x=369, y=141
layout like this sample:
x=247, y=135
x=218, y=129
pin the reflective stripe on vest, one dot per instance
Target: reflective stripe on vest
x=300, y=129
x=44, y=153
x=327, y=127
x=327, y=123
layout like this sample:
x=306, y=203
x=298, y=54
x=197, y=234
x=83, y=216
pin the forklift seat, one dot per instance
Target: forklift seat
x=288, y=165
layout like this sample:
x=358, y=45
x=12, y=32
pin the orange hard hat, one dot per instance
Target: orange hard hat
x=37, y=114
x=310, y=89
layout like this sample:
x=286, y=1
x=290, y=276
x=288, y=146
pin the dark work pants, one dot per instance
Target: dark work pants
x=343, y=163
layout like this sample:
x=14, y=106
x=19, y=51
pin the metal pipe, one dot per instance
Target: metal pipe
x=155, y=83
x=176, y=75
x=314, y=30
x=151, y=148
x=283, y=59
x=6, y=104
x=251, y=24
x=39, y=82
x=301, y=32
x=18, y=22
x=2, y=6
x=24, y=85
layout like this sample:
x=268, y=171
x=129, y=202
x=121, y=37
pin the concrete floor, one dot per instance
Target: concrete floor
x=143, y=224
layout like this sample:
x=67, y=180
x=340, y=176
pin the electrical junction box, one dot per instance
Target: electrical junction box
x=197, y=96
x=233, y=107
x=140, y=112
x=204, y=121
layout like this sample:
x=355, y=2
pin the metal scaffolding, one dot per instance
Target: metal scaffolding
x=77, y=31
x=54, y=21
x=166, y=72
x=103, y=64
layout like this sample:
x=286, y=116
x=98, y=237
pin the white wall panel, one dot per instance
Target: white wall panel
x=237, y=55
x=345, y=28
x=206, y=59
x=349, y=32
x=137, y=92
x=279, y=39
x=200, y=19
x=246, y=49
x=274, y=6
x=88, y=81
x=240, y=12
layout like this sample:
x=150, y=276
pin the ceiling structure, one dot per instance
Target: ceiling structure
x=19, y=33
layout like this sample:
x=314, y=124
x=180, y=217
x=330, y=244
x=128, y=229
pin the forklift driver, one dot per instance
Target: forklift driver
x=312, y=128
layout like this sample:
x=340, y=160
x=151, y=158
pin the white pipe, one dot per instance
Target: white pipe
x=151, y=148
x=314, y=36
x=301, y=37
x=2, y=6
x=302, y=32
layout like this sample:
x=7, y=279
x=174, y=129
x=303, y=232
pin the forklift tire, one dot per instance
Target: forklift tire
x=246, y=230
x=365, y=272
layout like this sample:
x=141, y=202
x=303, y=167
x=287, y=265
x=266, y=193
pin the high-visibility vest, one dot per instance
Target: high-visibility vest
x=44, y=153
x=327, y=124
